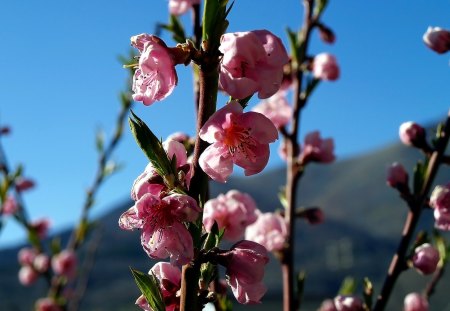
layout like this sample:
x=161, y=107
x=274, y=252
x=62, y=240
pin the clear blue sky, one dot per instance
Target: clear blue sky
x=60, y=78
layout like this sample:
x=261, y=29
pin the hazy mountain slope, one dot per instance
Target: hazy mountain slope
x=363, y=222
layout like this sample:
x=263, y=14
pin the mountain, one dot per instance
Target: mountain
x=363, y=224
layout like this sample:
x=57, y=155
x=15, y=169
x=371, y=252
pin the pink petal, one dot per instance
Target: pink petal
x=255, y=164
x=129, y=220
x=217, y=162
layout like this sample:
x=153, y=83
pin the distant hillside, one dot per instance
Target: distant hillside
x=362, y=228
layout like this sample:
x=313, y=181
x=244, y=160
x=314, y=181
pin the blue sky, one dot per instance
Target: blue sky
x=60, y=78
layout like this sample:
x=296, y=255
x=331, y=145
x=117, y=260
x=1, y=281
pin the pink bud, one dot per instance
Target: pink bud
x=9, y=206
x=47, y=304
x=245, y=271
x=41, y=226
x=440, y=201
x=397, y=177
x=155, y=77
x=23, y=184
x=412, y=134
x=425, y=259
x=26, y=256
x=317, y=149
x=276, y=108
x=252, y=62
x=269, y=230
x=41, y=263
x=415, y=302
x=348, y=303
x=437, y=39
x=326, y=34
x=325, y=67
x=27, y=275
x=178, y=136
x=65, y=263
x=313, y=215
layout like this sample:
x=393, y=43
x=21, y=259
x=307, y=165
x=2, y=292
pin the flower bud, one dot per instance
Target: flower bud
x=41, y=226
x=64, y=263
x=412, y=134
x=23, y=184
x=5, y=130
x=397, y=177
x=325, y=67
x=326, y=34
x=415, y=302
x=440, y=201
x=437, y=39
x=27, y=275
x=41, y=263
x=47, y=304
x=26, y=256
x=425, y=259
x=276, y=108
x=348, y=303
x=9, y=206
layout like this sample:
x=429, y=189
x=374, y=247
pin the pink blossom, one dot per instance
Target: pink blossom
x=269, y=230
x=276, y=108
x=325, y=67
x=23, y=184
x=437, y=39
x=27, y=275
x=180, y=137
x=412, y=134
x=245, y=271
x=426, y=258
x=233, y=212
x=348, y=303
x=150, y=182
x=41, y=263
x=26, y=256
x=65, y=263
x=9, y=206
x=179, y=7
x=41, y=227
x=252, y=62
x=415, y=302
x=236, y=137
x=169, y=278
x=163, y=233
x=440, y=201
x=317, y=149
x=397, y=177
x=155, y=77
x=47, y=304
x=326, y=34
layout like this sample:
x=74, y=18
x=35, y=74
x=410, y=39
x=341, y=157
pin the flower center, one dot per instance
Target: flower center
x=238, y=140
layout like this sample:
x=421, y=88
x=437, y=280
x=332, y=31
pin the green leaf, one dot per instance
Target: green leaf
x=320, y=7
x=441, y=245
x=293, y=42
x=348, y=286
x=153, y=149
x=55, y=245
x=214, y=21
x=368, y=293
x=213, y=238
x=419, y=176
x=301, y=278
x=177, y=29
x=100, y=140
x=243, y=102
x=282, y=197
x=149, y=287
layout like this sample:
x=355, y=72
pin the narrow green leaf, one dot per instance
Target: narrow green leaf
x=320, y=7
x=368, y=293
x=244, y=102
x=293, y=42
x=348, y=286
x=151, y=146
x=100, y=140
x=301, y=278
x=213, y=238
x=177, y=29
x=419, y=172
x=149, y=287
x=282, y=197
x=214, y=21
